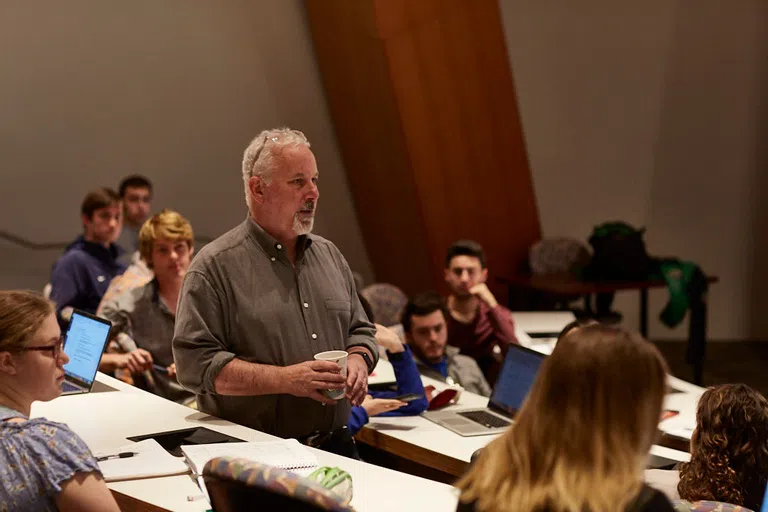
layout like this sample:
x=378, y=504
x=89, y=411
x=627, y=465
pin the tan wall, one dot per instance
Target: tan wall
x=92, y=90
x=650, y=112
x=653, y=113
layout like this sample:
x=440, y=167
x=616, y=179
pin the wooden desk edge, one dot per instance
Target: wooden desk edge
x=406, y=450
x=131, y=504
x=569, y=285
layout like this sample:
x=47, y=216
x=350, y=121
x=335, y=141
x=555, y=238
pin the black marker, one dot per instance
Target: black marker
x=121, y=455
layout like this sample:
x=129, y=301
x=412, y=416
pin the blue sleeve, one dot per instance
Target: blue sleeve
x=357, y=418
x=65, y=284
x=58, y=453
x=408, y=381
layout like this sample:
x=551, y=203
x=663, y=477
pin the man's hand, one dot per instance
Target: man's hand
x=357, y=379
x=172, y=371
x=481, y=291
x=311, y=377
x=136, y=361
x=376, y=406
x=388, y=339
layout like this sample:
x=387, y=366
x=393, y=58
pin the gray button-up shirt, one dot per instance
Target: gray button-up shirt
x=140, y=316
x=242, y=298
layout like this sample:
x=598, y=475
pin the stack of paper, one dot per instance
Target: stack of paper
x=285, y=453
x=149, y=460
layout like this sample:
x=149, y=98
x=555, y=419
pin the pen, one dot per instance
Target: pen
x=121, y=455
x=161, y=369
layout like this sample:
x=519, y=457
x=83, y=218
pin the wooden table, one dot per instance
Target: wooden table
x=568, y=285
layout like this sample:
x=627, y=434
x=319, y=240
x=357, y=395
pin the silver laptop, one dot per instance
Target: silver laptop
x=515, y=380
x=84, y=343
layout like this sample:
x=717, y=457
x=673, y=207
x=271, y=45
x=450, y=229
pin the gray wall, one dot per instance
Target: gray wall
x=92, y=91
x=653, y=113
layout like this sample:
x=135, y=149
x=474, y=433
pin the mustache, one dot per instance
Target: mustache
x=308, y=206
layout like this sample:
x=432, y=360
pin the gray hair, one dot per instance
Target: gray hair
x=259, y=156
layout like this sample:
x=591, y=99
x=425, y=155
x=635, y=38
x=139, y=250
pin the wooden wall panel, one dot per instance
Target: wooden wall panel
x=425, y=111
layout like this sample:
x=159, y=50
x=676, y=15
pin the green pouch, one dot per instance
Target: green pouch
x=335, y=480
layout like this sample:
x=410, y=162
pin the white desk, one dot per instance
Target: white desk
x=105, y=419
x=420, y=440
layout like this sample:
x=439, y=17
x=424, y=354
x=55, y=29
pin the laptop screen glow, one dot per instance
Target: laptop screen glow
x=85, y=341
x=515, y=378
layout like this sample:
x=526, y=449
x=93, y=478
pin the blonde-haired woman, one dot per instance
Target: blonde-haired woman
x=581, y=439
x=43, y=464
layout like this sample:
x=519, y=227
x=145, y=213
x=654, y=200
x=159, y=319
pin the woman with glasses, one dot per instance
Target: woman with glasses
x=43, y=464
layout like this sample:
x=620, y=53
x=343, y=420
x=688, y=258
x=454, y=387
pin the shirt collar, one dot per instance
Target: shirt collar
x=154, y=289
x=272, y=247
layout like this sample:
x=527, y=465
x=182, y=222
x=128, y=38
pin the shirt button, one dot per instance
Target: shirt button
x=306, y=305
x=314, y=336
x=272, y=259
x=279, y=247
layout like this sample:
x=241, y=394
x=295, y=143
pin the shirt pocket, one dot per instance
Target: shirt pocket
x=339, y=315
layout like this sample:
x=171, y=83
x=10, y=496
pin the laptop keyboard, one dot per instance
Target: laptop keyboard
x=69, y=387
x=485, y=418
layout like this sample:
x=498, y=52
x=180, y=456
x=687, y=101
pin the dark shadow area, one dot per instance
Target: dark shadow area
x=727, y=361
x=758, y=262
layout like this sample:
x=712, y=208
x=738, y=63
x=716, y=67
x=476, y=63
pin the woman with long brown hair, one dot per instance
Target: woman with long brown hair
x=729, y=448
x=582, y=437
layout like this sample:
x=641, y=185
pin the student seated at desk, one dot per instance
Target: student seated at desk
x=729, y=450
x=426, y=331
x=43, y=464
x=406, y=374
x=143, y=318
x=582, y=437
x=82, y=274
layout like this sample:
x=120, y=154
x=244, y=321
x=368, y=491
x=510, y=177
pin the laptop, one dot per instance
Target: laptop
x=85, y=340
x=515, y=380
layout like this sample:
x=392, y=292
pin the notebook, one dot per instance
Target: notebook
x=285, y=453
x=149, y=460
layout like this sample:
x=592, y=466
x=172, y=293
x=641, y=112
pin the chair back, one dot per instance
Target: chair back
x=558, y=256
x=235, y=484
x=387, y=302
x=707, y=506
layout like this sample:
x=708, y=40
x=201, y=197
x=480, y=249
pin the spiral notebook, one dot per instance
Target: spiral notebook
x=285, y=453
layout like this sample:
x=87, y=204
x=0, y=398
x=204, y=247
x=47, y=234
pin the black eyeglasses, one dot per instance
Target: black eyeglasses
x=261, y=150
x=56, y=349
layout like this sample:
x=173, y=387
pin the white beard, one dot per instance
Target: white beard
x=303, y=227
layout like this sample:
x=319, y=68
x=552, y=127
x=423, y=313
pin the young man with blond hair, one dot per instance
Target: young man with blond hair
x=144, y=317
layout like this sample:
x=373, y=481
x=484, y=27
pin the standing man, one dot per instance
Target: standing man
x=477, y=324
x=260, y=301
x=143, y=317
x=81, y=275
x=136, y=194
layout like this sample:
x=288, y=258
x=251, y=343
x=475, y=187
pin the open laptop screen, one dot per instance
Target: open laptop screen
x=86, y=337
x=515, y=379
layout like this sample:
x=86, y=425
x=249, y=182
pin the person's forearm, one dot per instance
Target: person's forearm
x=240, y=378
x=109, y=362
x=502, y=325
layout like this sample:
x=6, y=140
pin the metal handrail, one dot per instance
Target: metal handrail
x=47, y=246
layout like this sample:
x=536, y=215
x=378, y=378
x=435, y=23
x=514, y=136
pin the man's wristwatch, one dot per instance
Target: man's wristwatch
x=366, y=358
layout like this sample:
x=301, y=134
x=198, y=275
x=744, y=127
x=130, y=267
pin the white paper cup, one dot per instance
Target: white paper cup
x=339, y=357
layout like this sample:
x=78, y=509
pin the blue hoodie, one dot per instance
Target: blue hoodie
x=82, y=274
x=408, y=381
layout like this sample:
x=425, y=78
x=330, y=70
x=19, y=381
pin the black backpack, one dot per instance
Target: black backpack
x=618, y=254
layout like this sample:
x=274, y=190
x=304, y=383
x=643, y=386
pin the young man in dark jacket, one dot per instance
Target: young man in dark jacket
x=82, y=274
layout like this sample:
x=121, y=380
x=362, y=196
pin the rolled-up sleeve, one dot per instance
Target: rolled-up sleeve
x=199, y=347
